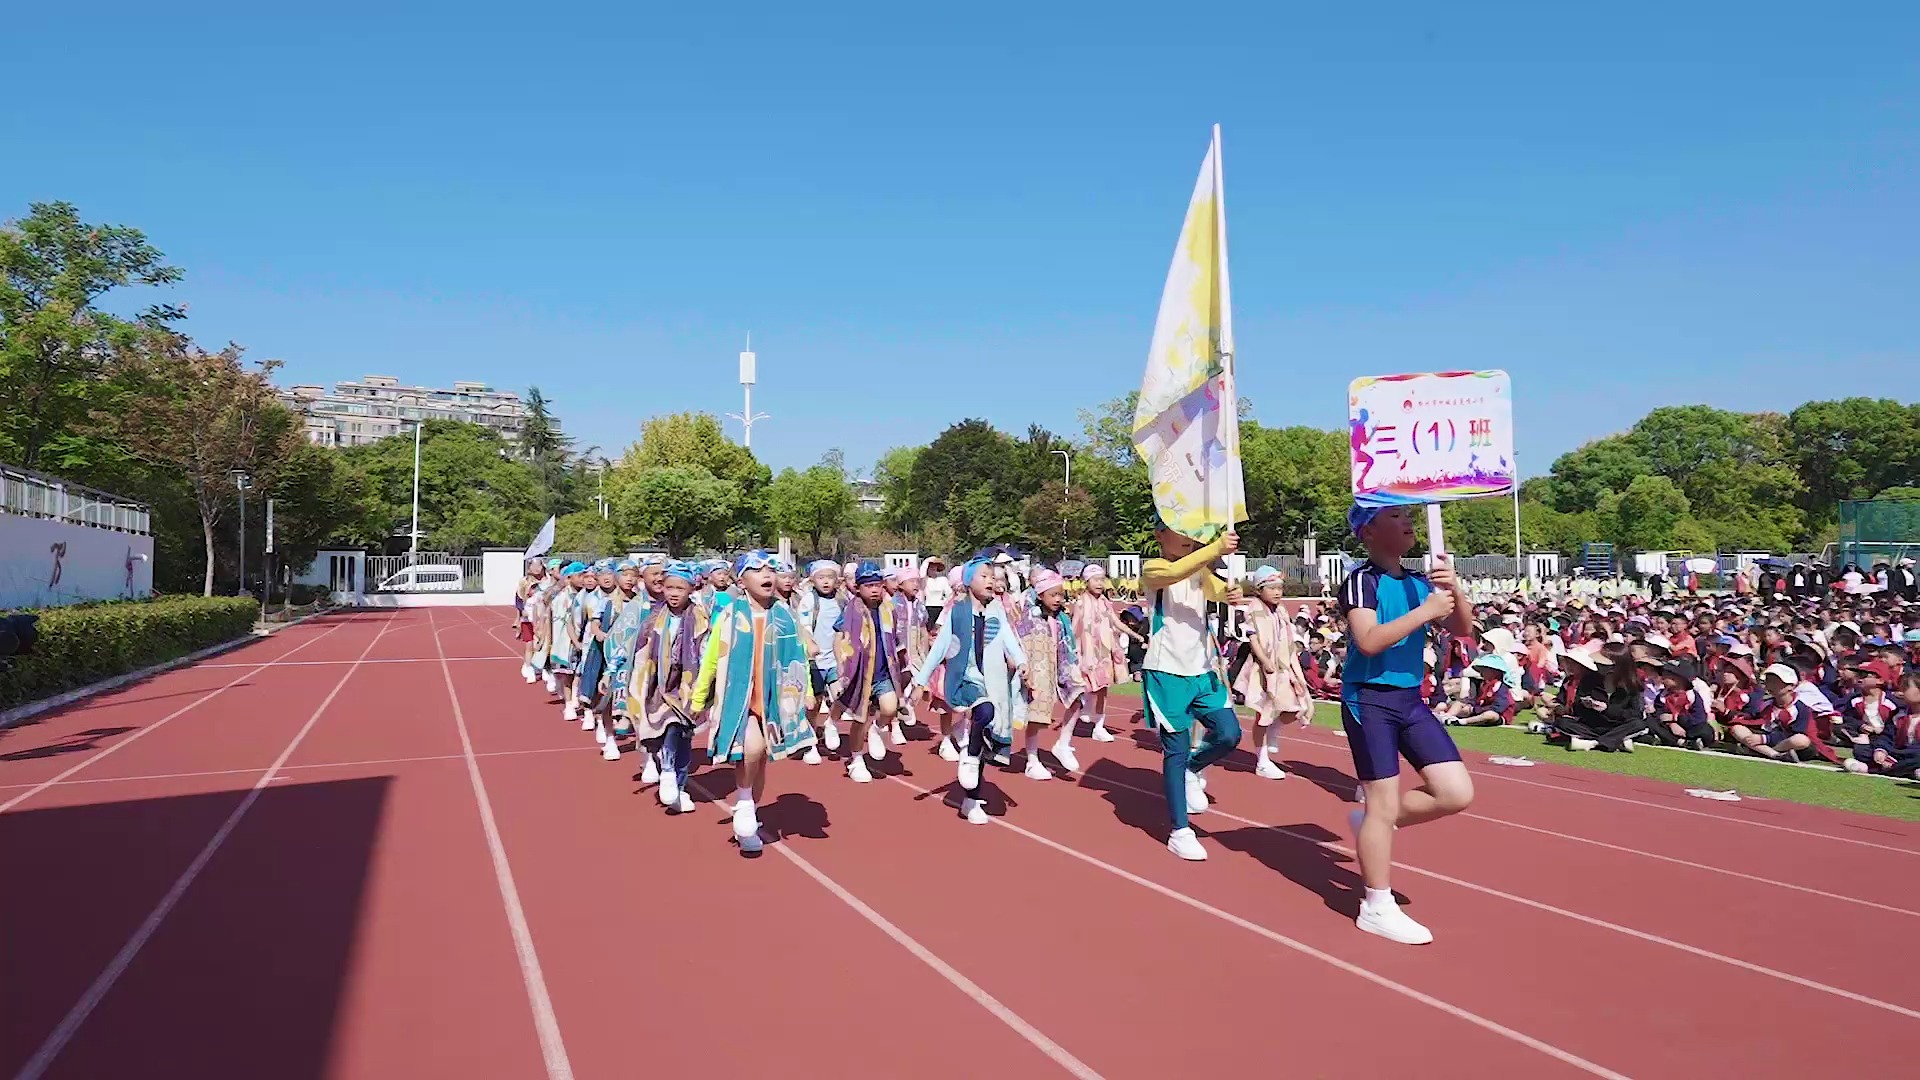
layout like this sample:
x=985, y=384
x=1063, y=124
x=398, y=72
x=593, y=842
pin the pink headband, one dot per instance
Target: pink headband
x=1093, y=570
x=953, y=577
x=1044, y=579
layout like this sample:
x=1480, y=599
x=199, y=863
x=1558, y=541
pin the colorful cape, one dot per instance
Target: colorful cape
x=966, y=683
x=622, y=638
x=859, y=661
x=726, y=677
x=661, y=691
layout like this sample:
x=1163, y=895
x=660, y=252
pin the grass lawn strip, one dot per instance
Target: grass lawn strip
x=1750, y=777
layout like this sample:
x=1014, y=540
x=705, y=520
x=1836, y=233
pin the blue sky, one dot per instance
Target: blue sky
x=924, y=214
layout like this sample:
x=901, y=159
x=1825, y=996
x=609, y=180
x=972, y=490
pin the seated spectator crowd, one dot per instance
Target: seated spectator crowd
x=1832, y=677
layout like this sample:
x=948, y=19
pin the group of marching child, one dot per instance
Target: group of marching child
x=767, y=664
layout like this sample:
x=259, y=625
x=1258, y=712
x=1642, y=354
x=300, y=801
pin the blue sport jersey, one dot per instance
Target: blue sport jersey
x=1389, y=597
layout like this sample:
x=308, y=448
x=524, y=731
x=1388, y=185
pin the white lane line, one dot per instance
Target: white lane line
x=1670, y=809
x=1691, y=863
x=70, y=1024
x=112, y=748
x=546, y=1024
x=1694, y=950
x=318, y=765
x=1060, y=1055
x=1493, y=1026
x=978, y=994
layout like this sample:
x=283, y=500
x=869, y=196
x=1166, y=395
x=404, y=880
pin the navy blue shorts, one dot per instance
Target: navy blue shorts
x=1385, y=723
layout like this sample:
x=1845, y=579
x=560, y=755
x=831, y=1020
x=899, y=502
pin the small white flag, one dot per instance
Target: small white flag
x=542, y=543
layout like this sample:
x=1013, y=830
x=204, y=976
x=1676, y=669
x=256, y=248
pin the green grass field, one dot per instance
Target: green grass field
x=1748, y=776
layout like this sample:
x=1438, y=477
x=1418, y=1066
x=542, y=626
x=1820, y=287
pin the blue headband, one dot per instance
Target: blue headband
x=627, y=564
x=869, y=573
x=973, y=566
x=1359, y=515
x=818, y=565
x=752, y=560
x=681, y=570
x=573, y=568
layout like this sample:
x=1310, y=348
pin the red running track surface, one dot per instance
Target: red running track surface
x=363, y=847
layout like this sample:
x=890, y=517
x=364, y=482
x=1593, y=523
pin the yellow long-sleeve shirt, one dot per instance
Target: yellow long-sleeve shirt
x=1178, y=593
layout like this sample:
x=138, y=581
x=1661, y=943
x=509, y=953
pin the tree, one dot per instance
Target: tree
x=473, y=491
x=1609, y=464
x=1109, y=429
x=1728, y=464
x=816, y=504
x=312, y=501
x=1295, y=477
x=971, y=454
x=893, y=476
x=978, y=517
x=697, y=439
x=585, y=531
x=1479, y=526
x=1851, y=448
x=54, y=344
x=676, y=504
x=1124, y=501
x=1058, y=522
x=1648, y=514
x=201, y=413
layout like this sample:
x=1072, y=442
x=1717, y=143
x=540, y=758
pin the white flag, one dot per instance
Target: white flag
x=542, y=543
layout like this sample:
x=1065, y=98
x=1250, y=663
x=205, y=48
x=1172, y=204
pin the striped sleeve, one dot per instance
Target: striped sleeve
x=1360, y=590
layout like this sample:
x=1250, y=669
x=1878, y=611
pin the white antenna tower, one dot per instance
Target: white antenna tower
x=746, y=415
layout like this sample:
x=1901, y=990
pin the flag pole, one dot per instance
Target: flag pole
x=1223, y=295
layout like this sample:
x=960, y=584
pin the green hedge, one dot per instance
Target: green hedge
x=89, y=642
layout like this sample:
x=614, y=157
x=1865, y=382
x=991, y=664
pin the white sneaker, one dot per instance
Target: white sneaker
x=1100, y=732
x=1577, y=743
x=876, y=743
x=947, y=751
x=650, y=773
x=553, y=684
x=586, y=720
x=1200, y=776
x=899, y=734
x=532, y=675
x=857, y=771
x=1627, y=746
x=669, y=787
x=1196, y=795
x=684, y=805
x=1267, y=770
x=831, y=734
x=1035, y=769
x=1183, y=843
x=610, y=749
x=746, y=827
x=974, y=811
x=1067, y=758
x=1393, y=924
x=1001, y=757
x=969, y=773
x=568, y=712
x=812, y=756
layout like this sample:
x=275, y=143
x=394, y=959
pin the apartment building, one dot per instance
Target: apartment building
x=372, y=408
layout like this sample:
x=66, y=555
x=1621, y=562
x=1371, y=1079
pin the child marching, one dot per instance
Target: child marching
x=667, y=662
x=980, y=662
x=1272, y=683
x=1388, y=609
x=870, y=659
x=754, y=674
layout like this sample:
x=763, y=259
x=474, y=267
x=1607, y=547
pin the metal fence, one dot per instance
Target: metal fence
x=31, y=494
x=427, y=571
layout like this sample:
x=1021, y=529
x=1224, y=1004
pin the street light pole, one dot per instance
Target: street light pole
x=413, y=539
x=1066, y=488
x=240, y=482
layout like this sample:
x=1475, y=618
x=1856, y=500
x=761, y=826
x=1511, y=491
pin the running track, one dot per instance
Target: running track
x=364, y=848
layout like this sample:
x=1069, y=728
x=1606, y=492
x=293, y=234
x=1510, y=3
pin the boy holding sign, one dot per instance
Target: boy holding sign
x=1388, y=610
x=1421, y=438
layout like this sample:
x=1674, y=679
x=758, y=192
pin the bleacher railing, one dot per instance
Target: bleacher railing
x=31, y=494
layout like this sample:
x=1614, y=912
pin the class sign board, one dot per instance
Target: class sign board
x=1431, y=438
